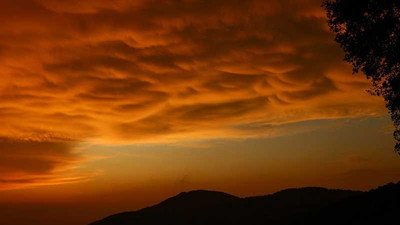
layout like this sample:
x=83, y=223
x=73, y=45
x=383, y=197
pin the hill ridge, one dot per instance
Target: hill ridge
x=305, y=205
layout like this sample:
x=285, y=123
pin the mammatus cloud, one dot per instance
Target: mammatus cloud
x=127, y=71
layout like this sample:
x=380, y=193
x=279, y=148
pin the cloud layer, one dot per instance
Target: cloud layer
x=127, y=71
x=27, y=163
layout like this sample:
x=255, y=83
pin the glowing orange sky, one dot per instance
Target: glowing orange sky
x=88, y=85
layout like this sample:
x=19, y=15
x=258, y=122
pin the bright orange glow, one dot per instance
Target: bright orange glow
x=176, y=95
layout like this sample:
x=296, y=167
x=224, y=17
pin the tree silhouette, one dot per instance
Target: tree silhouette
x=369, y=33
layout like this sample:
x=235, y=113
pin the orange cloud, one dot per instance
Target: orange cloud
x=127, y=71
x=29, y=163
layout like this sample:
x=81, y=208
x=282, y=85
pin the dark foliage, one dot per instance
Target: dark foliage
x=369, y=33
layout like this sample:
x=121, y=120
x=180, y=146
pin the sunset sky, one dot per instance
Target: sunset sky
x=108, y=106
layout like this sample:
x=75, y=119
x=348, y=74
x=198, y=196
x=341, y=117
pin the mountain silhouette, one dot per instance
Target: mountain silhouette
x=309, y=206
x=379, y=206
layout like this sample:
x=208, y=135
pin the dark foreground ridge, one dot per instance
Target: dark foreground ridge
x=308, y=206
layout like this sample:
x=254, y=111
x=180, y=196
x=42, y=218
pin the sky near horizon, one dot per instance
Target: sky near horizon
x=108, y=106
